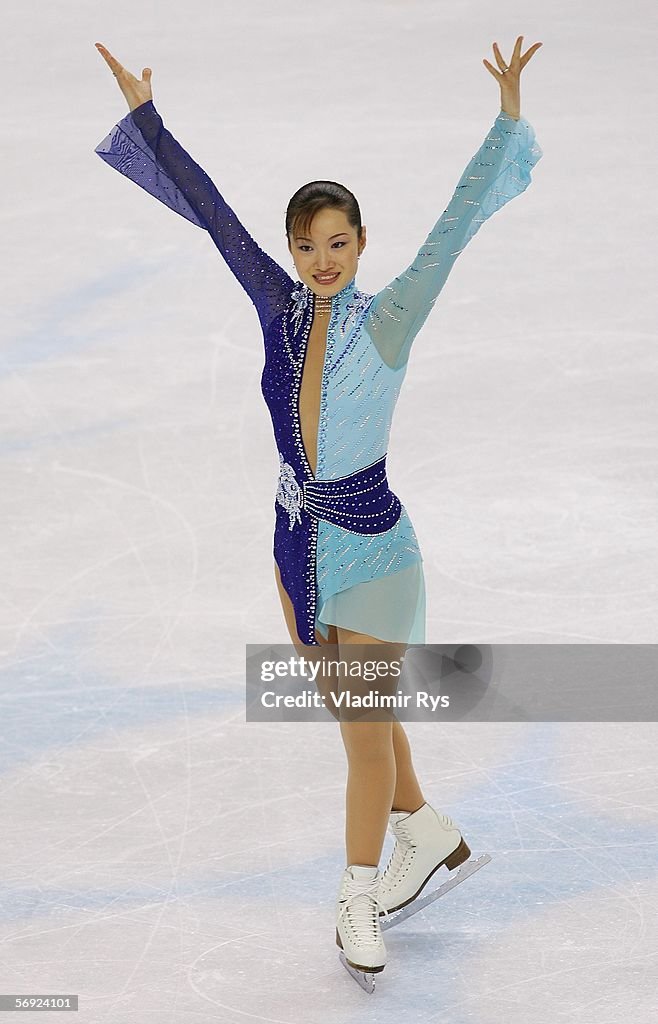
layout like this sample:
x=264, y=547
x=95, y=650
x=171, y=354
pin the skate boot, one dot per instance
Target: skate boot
x=424, y=840
x=358, y=931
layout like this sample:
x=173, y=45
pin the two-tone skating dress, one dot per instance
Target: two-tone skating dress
x=345, y=546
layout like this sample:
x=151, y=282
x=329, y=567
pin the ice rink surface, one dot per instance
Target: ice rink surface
x=159, y=856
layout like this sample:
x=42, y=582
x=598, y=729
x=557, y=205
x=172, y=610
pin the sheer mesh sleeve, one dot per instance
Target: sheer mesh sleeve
x=141, y=148
x=498, y=172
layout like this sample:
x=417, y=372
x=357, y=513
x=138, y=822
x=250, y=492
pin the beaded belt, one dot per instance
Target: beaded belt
x=361, y=502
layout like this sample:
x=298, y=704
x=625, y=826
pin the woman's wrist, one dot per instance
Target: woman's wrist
x=512, y=110
x=510, y=105
x=138, y=105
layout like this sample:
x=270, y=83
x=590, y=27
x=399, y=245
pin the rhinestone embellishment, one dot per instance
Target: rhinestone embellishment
x=289, y=493
x=300, y=298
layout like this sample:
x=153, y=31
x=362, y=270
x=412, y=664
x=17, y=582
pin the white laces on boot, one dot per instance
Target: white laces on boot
x=360, y=904
x=405, y=847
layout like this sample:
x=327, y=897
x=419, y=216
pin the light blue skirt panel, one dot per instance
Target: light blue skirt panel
x=390, y=606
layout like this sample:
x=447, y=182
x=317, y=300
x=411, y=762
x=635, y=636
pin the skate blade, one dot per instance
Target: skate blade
x=366, y=979
x=463, y=872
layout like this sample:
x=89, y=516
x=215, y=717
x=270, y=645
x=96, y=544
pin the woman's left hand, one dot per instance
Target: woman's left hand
x=510, y=81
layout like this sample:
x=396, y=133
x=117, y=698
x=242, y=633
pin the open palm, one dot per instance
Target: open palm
x=517, y=62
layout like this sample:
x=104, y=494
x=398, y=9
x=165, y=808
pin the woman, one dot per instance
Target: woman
x=347, y=562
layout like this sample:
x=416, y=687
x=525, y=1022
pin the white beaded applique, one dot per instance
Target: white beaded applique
x=289, y=493
x=300, y=298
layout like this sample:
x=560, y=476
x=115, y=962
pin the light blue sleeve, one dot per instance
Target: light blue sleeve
x=499, y=171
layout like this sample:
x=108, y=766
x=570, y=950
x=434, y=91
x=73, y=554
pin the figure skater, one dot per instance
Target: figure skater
x=347, y=563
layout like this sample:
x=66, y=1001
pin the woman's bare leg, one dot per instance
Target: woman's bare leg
x=371, y=776
x=408, y=795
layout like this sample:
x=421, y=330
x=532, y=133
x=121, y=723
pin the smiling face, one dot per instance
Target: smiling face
x=332, y=248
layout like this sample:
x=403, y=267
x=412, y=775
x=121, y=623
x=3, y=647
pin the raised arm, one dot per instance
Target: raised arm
x=141, y=148
x=499, y=171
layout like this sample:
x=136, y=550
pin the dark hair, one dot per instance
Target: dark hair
x=314, y=196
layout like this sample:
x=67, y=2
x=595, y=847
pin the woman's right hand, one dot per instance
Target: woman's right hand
x=135, y=91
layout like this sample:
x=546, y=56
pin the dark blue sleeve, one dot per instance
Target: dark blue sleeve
x=141, y=148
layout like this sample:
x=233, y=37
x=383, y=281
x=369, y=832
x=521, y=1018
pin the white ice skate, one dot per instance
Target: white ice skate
x=358, y=930
x=424, y=841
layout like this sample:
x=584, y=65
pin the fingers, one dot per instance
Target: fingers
x=515, y=55
x=109, y=59
x=499, y=57
x=498, y=75
x=516, y=61
x=493, y=71
x=529, y=53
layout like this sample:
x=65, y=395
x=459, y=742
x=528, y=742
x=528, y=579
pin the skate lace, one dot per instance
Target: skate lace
x=360, y=906
x=405, y=847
